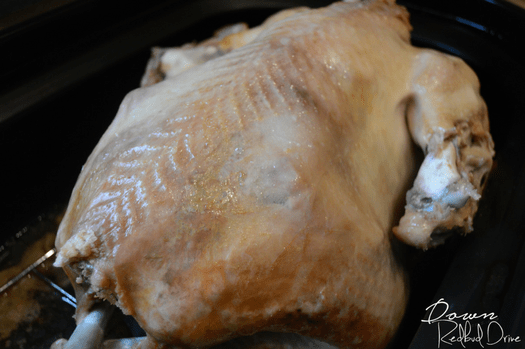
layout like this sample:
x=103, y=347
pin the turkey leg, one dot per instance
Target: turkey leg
x=448, y=119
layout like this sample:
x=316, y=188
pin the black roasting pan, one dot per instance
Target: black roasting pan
x=65, y=68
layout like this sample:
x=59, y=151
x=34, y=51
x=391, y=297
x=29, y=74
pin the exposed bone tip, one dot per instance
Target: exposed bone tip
x=59, y=344
x=415, y=230
x=60, y=261
x=89, y=333
x=431, y=225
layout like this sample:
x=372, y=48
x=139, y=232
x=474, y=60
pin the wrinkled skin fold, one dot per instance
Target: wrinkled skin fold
x=253, y=182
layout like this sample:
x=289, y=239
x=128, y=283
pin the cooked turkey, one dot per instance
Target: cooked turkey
x=253, y=183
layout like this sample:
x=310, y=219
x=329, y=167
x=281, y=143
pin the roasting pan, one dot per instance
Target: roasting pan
x=65, y=69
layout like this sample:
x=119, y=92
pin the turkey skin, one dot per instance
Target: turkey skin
x=253, y=183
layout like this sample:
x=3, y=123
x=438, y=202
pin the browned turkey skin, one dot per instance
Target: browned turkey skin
x=254, y=189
